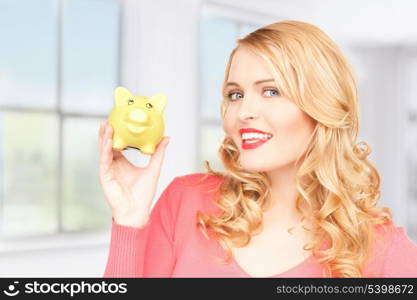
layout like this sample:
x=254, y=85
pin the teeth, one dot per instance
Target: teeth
x=258, y=136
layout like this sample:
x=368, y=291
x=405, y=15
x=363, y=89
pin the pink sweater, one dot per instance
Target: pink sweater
x=170, y=245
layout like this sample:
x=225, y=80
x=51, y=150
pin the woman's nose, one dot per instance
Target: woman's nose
x=247, y=112
x=246, y=115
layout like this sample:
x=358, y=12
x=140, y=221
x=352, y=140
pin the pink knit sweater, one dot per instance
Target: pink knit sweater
x=170, y=245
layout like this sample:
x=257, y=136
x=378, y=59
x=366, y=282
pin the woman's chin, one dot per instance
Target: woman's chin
x=254, y=167
x=263, y=166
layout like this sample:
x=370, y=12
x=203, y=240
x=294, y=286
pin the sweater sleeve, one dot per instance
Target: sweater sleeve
x=401, y=260
x=146, y=251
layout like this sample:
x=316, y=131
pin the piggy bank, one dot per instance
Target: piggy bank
x=137, y=121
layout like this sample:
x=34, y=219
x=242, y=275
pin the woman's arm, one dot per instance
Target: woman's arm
x=146, y=251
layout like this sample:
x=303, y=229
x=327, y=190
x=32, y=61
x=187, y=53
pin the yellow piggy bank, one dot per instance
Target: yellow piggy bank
x=137, y=121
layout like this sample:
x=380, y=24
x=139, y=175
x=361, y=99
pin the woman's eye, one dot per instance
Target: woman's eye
x=272, y=90
x=231, y=95
x=130, y=102
x=148, y=105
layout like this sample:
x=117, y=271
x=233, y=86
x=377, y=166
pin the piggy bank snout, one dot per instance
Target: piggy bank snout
x=138, y=115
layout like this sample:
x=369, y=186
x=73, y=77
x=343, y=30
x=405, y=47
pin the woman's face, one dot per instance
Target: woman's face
x=254, y=105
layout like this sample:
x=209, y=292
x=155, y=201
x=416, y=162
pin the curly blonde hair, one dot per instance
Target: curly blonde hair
x=338, y=186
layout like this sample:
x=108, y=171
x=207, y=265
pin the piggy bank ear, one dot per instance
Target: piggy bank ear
x=120, y=95
x=160, y=101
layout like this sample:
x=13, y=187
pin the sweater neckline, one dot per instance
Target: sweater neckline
x=291, y=269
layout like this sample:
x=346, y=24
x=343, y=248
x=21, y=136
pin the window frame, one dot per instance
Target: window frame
x=60, y=238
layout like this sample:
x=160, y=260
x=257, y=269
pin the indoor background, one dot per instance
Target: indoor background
x=60, y=61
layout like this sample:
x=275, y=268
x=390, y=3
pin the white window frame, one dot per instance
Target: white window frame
x=62, y=239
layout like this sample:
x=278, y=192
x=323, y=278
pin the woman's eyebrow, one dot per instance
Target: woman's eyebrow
x=255, y=83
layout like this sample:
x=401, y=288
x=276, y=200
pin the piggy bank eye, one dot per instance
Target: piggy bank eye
x=130, y=102
x=148, y=105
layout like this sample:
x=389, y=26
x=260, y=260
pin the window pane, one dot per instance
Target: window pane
x=90, y=55
x=218, y=38
x=28, y=173
x=211, y=137
x=28, y=53
x=84, y=205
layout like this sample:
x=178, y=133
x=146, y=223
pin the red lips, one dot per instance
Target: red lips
x=246, y=145
x=246, y=130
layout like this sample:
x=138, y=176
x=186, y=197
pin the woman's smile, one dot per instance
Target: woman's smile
x=253, y=143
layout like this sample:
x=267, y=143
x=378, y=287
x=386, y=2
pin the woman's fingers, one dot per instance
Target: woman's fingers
x=109, y=135
x=106, y=157
x=100, y=137
x=108, y=154
x=117, y=154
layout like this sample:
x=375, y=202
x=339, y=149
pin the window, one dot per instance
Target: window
x=58, y=70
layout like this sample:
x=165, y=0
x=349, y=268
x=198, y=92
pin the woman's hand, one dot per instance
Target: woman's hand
x=128, y=189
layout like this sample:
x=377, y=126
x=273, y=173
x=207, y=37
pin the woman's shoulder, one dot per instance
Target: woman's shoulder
x=385, y=235
x=198, y=182
x=194, y=179
x=390, y=232
x=186, y=193
x=195, y=187
x=189, y=193
x=395, y=251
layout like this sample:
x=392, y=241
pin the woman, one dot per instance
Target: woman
x=298, y=198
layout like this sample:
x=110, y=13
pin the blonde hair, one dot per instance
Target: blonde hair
x=338, y=186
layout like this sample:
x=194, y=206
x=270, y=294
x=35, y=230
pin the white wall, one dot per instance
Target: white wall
x=370, y=21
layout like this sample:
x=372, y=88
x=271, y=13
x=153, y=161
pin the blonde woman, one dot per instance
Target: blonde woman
x=298, y=197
